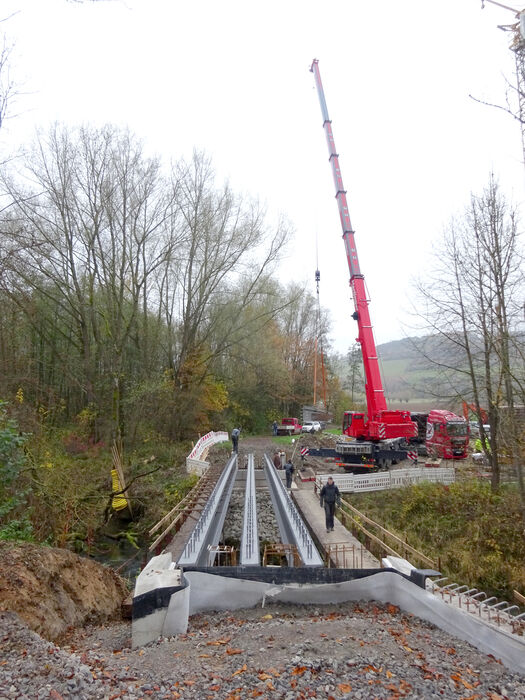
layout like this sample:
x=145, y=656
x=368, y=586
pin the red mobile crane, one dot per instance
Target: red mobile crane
x=382, y=424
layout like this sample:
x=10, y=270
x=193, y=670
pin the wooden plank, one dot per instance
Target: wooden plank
x=518, y=597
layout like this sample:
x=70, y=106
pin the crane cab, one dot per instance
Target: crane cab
x=384, y=425
x=354, y=425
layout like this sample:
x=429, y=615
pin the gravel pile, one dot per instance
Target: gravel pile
x=288, y=652
x=33, y=668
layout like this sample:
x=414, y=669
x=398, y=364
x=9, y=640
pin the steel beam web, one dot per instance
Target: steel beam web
x=250, y=553
x=291, y=525
x=208, y=529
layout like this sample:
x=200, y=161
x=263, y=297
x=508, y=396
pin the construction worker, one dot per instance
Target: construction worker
x=235, y=439
x=289, y=470
x=330, y=496
x=478, y=445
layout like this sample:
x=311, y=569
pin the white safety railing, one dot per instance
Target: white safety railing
x=397, y=478
x=194, y=461
x=206, y=441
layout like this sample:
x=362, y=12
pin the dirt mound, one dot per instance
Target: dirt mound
x=54, y=589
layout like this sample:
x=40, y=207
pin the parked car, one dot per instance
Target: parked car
x=311, y=426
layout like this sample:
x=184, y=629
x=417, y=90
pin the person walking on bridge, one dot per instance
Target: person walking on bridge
x=330, y=495
x=289, y=470
x=235, y=439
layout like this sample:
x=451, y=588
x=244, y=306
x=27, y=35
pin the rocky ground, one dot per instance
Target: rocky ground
x=266, y=522
x=280, y=651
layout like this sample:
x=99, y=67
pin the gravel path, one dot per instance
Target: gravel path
x=292, y=652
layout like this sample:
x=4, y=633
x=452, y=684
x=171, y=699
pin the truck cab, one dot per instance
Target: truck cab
x=289, y=426
x=447, y=435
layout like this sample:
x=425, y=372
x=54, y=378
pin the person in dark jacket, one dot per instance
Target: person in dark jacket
x=275, y=427
x=289, y=470
x=329, y=497
x=235, y=439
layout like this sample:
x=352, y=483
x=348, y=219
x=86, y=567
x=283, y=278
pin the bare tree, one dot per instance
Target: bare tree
x=85, y=233
x=471, y=305
x=354, y=381
x=7, y=85
x=212, y=279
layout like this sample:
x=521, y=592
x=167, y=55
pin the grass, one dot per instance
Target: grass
x=473, y=531
x=285, y=439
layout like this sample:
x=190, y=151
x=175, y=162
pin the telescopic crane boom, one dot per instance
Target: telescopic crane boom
x=381, y=423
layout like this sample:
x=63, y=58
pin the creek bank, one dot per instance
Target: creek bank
x=54, y=590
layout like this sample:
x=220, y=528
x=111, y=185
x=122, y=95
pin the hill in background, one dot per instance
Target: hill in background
x=409, y=378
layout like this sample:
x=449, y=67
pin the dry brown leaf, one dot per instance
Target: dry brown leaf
x=242, y=669
x=270, y=685
x=344, y=687
x=392, y=609
x=298, y=670
x=233, y=652
x=332, y=616
x=264, y=676
x=218, y=642
x=372, y=668
x=204, y=656
x=389, y=674
x=274, y=672
x=214, y=687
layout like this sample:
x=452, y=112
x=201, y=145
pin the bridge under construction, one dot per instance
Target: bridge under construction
x=197, y=565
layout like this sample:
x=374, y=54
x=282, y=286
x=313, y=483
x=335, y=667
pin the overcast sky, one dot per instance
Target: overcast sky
x=232, y=77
